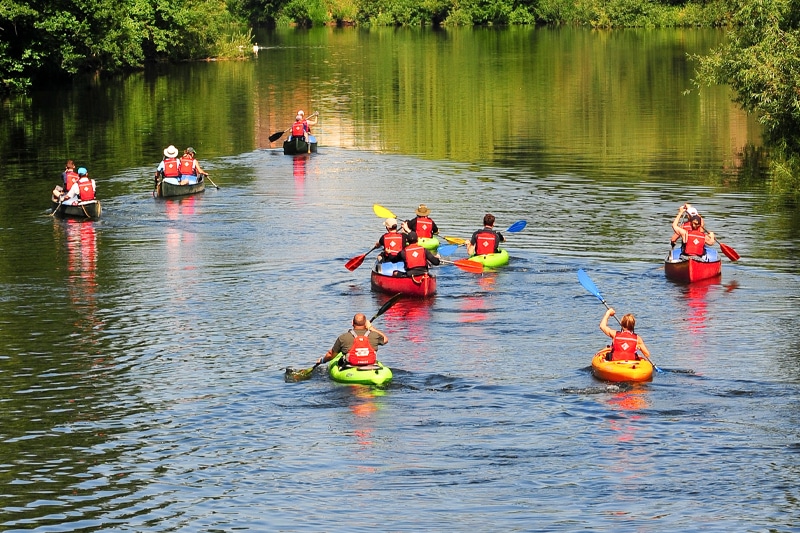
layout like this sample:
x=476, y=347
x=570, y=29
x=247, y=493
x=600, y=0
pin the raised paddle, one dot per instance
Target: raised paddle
x=356, y=262
x=589, y=285
x=382, y=212
x=292, y=375
x=278, y=134
x=516, y=227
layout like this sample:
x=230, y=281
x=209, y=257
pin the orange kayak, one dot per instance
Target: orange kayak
x=641, y=370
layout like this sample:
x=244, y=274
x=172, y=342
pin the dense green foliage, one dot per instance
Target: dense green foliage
x=761, y=62
x=596, y=13
x=47, y=39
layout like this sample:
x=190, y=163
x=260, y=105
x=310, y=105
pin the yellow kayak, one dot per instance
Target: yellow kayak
x=636, y=370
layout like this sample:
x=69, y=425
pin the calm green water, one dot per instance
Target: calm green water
x=142, y=355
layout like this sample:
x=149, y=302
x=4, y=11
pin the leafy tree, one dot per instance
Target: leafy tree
x=48, y=39
x=761, y=62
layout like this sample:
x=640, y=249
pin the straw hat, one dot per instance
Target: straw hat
x=422, y=211
x=171, y=151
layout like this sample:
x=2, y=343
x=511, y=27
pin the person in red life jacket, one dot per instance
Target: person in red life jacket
x=393, y=242
x=485, y=240
x=422, y=224
x=308, y=122
x=359, y=345
x=70, y=175
x=690, y=212
x=169, y=167
x=190, y=168
x=299, y=128
x=694, y=240
x=82, y=191
x=624, y=343
x=417, y=258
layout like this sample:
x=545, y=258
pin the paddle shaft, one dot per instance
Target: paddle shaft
x=589, y=285
x=212, y=182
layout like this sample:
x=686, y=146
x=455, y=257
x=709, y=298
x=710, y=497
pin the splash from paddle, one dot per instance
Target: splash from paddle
x=293, y=376
x=589, y=285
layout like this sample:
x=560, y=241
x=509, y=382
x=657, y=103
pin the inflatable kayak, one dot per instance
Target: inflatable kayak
x=376, y=374
x=492, y=260
x=429, y=244
x=637, y=370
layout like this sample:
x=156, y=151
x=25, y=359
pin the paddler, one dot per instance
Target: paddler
x=359, y=345
x=694, y=240
x=422, y=223
x=486, y=240
x=624, y=343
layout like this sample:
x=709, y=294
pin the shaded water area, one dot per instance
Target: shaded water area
x=142, y=356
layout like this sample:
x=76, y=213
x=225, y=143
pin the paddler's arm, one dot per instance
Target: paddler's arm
x=325, y=358
x=370, y=328
x=604, y=323
x=676, y=224
x=642, y=348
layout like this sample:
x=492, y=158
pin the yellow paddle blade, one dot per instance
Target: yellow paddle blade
x=456, y=240
x=382, y=211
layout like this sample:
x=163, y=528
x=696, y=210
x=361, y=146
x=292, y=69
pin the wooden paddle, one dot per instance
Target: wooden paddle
x=516, y=227
x=589, y=285
x=212, y=183
x=356, y=262
x=292, y=375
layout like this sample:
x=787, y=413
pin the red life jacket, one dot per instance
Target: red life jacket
x=71, y=178
x=415, y=257
x=86, y=189
x=187, y=166
x=171, y=168
x=424, y=227
x=695, y=244
x=362, y=352
x=624, y=346
x=298, y=129
x=486, y=242
x=393, y=243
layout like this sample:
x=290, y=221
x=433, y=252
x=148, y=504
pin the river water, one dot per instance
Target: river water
x=143, y=355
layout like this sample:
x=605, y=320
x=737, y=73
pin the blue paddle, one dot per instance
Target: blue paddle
x=447, y=249
x=589, y=285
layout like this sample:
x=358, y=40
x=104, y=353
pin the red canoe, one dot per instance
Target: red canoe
x=420, y=286
x=689, y=270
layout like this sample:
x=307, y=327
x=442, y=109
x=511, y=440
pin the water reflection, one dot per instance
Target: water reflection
x=411, y=316
x=474, y=307
x=80, y=239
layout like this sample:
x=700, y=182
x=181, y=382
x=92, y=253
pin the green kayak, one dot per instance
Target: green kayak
x=491, y=260
x=376, y=374
x=429, y=244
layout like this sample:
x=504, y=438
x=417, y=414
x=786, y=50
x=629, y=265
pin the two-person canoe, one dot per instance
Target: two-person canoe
x=687, y=270
x=638, y=370
x=90, y=209
x=170, y=187
x=492, y=260
x=297, y=145
x=376, y=374
x=419, y=286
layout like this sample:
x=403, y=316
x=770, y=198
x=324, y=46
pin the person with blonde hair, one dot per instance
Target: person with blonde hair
x=624, y=343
